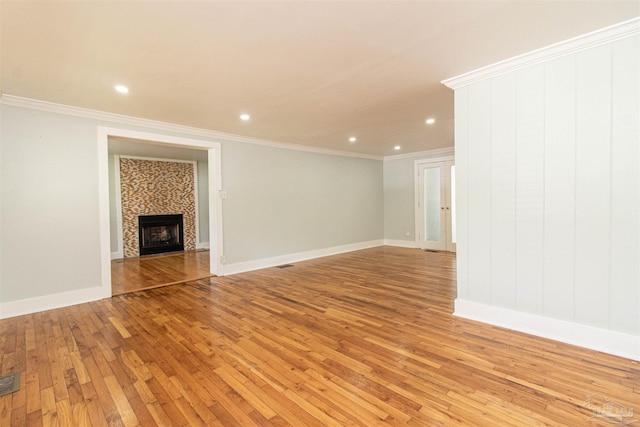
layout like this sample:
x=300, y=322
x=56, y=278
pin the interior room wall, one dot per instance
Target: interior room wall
x=399, y=200
x=280, y=201
x=49, y=204
x=548, y=197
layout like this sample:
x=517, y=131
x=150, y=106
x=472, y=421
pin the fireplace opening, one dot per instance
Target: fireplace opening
x=160, y=233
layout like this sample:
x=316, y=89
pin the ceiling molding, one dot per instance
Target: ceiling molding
x=567, y=47
x=17, y=101
x=438, y=152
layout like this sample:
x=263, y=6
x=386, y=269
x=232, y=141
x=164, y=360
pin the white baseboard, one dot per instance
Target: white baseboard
x=242, y=267
x=400, y=243
x=49, y=302
x=612, y=342
x=117, y=255
x=202, y=245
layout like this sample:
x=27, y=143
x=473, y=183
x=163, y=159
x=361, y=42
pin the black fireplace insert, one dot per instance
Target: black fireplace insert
x=160, y=233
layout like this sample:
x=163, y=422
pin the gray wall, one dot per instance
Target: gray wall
x=49, y=204
x=280, y=202
x=399, y=199
x=203, y=202
x=284, y=202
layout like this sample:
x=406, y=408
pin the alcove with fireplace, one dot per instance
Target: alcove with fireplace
x=158, y=204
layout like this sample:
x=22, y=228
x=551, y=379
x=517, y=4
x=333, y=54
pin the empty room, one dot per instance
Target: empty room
x=319, y=213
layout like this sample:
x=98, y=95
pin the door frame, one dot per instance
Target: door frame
x=417, y=164
x=215, y=187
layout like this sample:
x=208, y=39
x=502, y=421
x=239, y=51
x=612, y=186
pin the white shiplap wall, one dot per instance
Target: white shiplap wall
x=547, y=164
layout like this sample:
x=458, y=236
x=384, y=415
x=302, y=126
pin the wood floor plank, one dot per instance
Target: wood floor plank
x=365, y=338
x=149, y=272
x=5, y=410
x=94, y=410
x=80, y=415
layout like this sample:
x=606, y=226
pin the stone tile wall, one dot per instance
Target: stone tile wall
x=150, y=187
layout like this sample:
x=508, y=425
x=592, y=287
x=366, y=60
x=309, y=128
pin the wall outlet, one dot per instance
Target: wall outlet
x=407, y=233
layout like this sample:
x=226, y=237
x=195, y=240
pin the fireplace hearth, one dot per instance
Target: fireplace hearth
x=160, y=233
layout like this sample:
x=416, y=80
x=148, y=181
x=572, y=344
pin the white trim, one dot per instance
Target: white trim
x=216, y=251
x=438, y=152
x=242, y=267
x=567, y=47
x=417, y=187
x=196, y=196
x=49, y=302
x=149, y=137
x=17, y=101
x=432, y=160
x=612, y=342
x=117, y=255
x=411, y=244
x=103, y=213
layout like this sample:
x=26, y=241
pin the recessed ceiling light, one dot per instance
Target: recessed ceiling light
x=352, y=139
x=397, y=147
x=122, y=89
x=245, y=117
x=431, y=121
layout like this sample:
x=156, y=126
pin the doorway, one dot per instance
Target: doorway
x=435, y=205
x=212, y=149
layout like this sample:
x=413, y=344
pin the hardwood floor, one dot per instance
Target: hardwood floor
x=359, y=339
x=136, y=274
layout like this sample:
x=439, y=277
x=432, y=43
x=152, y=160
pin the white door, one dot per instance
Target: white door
x=435, y=216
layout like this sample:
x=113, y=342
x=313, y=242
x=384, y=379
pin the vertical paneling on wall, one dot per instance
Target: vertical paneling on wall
x=559, y=188
x=593, y=176
x=529, y=162
x=503, y=190
x=625, y=187
x=548, y=188
x=479, y=186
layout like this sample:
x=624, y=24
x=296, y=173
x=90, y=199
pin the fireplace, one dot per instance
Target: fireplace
x=160, y=233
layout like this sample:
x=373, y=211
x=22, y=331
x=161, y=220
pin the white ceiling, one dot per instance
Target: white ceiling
x=311, y=73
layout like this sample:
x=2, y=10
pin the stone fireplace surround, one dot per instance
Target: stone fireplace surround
x=156, y=187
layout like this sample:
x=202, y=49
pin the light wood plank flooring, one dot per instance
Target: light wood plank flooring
x=148, y=272
x=359, y=339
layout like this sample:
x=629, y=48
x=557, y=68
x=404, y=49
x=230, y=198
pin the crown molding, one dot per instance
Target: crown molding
x=17, y=101
x=438, y=152
x=567, y=47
